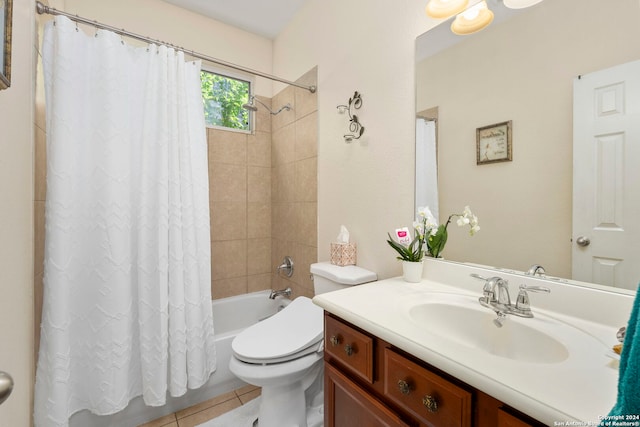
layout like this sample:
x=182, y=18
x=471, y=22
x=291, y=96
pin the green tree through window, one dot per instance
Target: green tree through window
x=223, y=98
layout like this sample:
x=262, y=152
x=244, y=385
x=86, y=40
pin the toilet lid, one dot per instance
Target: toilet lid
x=295, y=328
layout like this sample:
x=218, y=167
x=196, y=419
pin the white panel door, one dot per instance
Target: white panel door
x=606, y=177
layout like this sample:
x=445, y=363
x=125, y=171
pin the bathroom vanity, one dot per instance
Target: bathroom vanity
x=428, y=354
x=368, y=379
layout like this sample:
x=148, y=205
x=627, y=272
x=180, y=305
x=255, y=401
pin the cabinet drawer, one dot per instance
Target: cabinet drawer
x=432, y=399
x=353, y=349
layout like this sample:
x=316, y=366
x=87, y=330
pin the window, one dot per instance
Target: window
x=223, y=97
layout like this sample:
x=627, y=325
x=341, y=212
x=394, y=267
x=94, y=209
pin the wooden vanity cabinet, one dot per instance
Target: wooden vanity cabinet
x=370, y=383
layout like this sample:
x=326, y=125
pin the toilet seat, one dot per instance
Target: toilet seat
x=291, y=333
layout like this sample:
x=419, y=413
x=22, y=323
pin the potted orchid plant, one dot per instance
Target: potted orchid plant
x=438, y=234
x=429, y=240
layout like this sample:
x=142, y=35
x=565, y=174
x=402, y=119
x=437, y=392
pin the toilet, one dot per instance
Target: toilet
x=283, y=353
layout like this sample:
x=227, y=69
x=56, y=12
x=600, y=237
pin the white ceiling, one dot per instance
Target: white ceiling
x=264, y=17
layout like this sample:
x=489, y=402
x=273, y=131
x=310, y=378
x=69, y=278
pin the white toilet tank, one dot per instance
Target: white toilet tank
x=328, y=277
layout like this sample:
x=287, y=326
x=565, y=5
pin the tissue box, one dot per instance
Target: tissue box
x=343, y=254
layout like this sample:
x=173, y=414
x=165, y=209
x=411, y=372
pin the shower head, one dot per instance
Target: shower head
x=252, y=107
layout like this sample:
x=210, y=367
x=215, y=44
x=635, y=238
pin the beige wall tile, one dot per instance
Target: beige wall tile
x=228, y=287
x=259, y=149
x=286, y=96
x=284, y=186
x=259, y=282
x=259, y=220
x=306, y=180
x=306, y=255
x=259, y=256
x=283, y=221
x=262, y=116
x=307, y=223
x=228, y=220
x=227, y=147
x=283, y=145
x=279, y=249
x=306, y=102
x=228, y=259
x=258, y=184
x=40, y=171
x=227, y=183
x=306, y=143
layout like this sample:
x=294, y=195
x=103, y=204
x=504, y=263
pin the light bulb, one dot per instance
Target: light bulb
x=472, y=20
x=442, y=9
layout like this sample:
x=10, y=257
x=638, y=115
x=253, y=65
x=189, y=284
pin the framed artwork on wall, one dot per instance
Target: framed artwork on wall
x=493, y=143
x=5, y=43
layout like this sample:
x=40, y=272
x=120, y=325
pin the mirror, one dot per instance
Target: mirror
x=519, y=69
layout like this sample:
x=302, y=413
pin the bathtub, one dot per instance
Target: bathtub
x=230, y=316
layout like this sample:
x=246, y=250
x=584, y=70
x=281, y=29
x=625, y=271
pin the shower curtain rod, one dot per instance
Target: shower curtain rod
x=42, y=9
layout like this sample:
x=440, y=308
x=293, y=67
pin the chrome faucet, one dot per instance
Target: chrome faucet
x=282, y=292
x=536, y=270
x=495, y=295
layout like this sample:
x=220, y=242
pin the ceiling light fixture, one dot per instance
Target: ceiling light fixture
x=520, y=4
x=441, y=9
x=473, y=19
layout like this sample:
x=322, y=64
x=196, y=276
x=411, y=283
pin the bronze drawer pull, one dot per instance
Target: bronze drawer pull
x=404, y=387
x=334, y=340
x=348, y=349
x=430, y=403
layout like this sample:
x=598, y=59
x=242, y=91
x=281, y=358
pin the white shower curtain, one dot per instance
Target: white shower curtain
x=426, y=166
x=127, y=296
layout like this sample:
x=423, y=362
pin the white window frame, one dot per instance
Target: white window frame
x=249, y=78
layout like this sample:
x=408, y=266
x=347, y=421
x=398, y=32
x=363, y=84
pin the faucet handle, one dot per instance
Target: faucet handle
x=543, y=289
x=523, y=305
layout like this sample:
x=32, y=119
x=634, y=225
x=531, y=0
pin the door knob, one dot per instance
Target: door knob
x=6, y=385
x=583, y=241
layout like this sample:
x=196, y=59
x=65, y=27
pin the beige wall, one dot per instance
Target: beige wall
x=16, y=220
x=163, y=21
x=504, y=73
x=367, y=185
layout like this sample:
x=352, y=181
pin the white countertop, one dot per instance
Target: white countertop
x=581, y=388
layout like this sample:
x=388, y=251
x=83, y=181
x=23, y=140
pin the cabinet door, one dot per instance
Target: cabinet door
x=505, y=419
x=348, y=405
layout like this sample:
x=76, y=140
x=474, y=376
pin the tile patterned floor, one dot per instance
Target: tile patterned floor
x=207, y=410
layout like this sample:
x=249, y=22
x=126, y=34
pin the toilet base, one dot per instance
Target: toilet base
x=285, y=389
x=283, y=406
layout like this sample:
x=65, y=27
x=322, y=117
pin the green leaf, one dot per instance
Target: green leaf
x=436, y=243
x=408, y=253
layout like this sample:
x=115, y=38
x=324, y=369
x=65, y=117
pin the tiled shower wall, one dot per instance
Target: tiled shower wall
x=294, y=155
x=262, y=197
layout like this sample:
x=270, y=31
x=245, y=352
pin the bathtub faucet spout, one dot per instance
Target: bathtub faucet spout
x=282, y=292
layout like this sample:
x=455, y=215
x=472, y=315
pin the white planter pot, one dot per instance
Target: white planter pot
x=412, y=271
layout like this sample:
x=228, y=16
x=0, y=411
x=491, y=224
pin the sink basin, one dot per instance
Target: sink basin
x=463, y=320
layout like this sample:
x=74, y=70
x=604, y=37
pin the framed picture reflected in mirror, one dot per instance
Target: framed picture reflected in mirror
x=5, y=43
